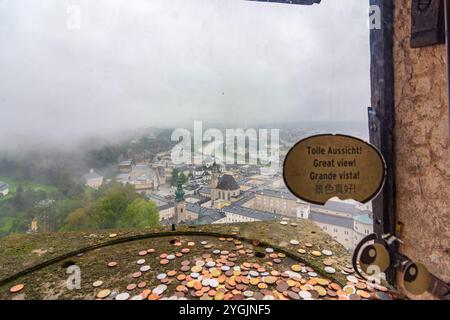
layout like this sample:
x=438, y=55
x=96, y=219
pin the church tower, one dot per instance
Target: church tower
x=180, y=204
x=214, y=182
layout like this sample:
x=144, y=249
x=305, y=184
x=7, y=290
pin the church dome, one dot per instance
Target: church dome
x=227, y=183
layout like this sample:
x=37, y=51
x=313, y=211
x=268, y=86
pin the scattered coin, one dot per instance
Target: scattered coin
x=123, y=296
x=103, y=293
x=330, y=270
x=144, y=268
x=131, y=286
x=316, y=253
x=97, y=284
x=16, y=288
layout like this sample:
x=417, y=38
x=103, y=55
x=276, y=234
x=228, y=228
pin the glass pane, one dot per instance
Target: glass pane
x=132, y=114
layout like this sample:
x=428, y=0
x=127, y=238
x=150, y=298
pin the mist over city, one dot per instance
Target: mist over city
x=118, y=68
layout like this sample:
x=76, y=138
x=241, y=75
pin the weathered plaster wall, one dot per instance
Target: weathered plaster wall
x=422, y=157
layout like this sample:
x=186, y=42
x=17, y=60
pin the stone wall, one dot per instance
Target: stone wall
x=421, y=143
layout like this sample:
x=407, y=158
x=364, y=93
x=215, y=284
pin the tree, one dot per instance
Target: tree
x=77, y=220
x=19, y=200
x=140, y=214
x=109, y=208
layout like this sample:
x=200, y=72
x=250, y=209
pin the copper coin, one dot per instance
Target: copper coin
x=171, y=273
x=354, y=297
x=181, y=288
x=16, y=288
x=131, y=286
x=112, y=264
x=185, y=262
x=143, y=253
x=151, y=250
x=361, y=285
x=185, y=268
x=331, y=293
x=136, y=274
x=103, y=293
x=145, y=293
x=363, y=294
x=282, y=286
x=164, y=262
x=294, y=296
x=335, y=286
x=142, y=284
x=153, y=297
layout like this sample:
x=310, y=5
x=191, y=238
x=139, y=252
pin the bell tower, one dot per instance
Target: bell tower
x=214, y=182
x=180, y=204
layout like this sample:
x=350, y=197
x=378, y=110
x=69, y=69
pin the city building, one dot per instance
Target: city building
x=223, y=189
x=4, y=189
x=93, y=180
x=126, y=166
x=141, y=176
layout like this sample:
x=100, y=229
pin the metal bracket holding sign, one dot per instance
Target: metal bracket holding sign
x=427, y=23
x=374, y=256
x=381, y=119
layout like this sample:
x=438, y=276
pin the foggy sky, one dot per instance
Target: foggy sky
x=169, y=62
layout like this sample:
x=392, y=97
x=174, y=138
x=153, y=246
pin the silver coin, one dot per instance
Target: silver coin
x=269, y=297
x=195, y=275
x=216, y=251
x=210, y=264
x=294, y=242
x=204, y=242
x=170, y=257
x=283, y=223
x=205, y=282
x=305, y=294
x=123, y=296
x=269, y=250
x=138, y=297
x=161, y=276
x=383, y=296
x=213, y=283
x=159, y=289
x=144, y=268
x=312, y=274
x=225, y=268
x=327, y=253
x=330, y=270
x=140, y=261
x=253, y=273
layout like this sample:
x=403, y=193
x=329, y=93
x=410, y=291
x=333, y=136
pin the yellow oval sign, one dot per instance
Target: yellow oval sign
x=321, y=167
